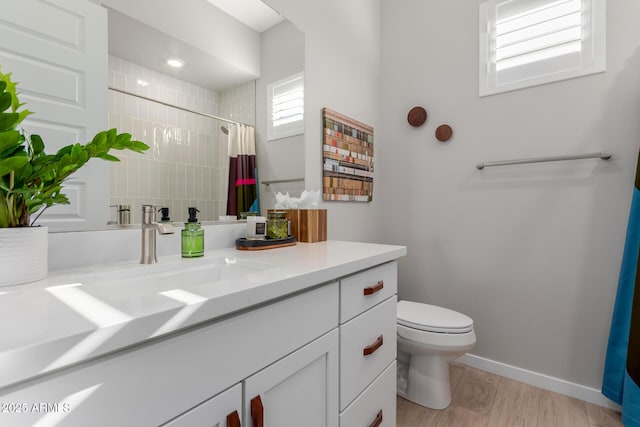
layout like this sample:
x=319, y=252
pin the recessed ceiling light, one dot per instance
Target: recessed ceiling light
x=175, y=62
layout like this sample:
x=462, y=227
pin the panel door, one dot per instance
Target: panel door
x=57, y=51
x=299, y=390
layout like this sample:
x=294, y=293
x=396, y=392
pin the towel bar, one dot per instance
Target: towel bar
x=280, y=181
x=601, y=155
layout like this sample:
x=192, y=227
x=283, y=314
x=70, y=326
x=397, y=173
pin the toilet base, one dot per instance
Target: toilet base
x=428, y=381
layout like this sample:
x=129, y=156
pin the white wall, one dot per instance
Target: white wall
x=531, y=252
x=282, y=56
x=342, y=62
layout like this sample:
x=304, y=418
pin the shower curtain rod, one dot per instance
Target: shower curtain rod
x=601, y=155
x=211, y=116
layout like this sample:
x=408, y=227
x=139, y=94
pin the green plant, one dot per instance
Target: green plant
x=32, y=180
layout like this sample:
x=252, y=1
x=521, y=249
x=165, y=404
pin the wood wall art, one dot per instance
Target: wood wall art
x=347, y=157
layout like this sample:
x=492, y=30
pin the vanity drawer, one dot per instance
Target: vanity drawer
x=151, y=384
x=373, y=332
x=363, y=290
x=376, y=406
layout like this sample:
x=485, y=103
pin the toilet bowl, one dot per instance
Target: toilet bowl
x=428, y=338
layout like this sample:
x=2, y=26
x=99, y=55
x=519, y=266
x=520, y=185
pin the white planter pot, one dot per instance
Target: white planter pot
x=23, y=255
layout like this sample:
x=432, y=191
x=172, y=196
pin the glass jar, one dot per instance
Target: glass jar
x=244, y=215
x=277, y=225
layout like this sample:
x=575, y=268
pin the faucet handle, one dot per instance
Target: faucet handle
x=151, y=208
x=149, y=213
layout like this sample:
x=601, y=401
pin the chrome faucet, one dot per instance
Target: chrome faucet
x=149, y=228
x=122, y=215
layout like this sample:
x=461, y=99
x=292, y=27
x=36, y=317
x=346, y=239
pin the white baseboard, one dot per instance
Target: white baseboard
x=539, y=380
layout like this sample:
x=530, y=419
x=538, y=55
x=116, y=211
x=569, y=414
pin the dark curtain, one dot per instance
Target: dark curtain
x=242, y=194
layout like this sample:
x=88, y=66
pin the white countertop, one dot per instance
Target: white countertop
x=79, y=314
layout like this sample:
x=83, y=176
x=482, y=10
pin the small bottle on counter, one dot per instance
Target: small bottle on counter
x=192, y=236
x=256, y=227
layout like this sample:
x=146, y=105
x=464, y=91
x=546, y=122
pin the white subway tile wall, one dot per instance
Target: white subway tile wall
x=187, y=163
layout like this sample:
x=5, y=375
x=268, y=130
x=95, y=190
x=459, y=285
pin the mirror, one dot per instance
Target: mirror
x=227, y=67
x=187, y=164
x=63, y=73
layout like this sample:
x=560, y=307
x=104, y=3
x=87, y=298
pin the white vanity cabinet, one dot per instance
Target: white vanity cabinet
x=151, y=384
x=368, y=347
x=298, y=390
x=320, y=356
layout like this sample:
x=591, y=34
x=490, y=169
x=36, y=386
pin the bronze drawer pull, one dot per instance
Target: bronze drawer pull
x=257, y=412
x=233, y=419
x=370, y=349
x=375, y=288
x=378, y=420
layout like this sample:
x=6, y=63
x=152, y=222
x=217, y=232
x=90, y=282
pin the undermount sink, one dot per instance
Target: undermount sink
x=133, y=281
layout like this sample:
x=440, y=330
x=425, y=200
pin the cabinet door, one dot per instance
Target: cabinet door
x=222, y=410
x=298, y=390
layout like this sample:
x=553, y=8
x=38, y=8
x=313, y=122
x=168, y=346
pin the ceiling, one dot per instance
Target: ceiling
x=253, y=13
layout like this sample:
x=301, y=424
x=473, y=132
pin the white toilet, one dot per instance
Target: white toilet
x=428, y=338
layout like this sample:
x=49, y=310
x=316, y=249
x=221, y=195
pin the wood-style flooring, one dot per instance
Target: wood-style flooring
x=482, y=399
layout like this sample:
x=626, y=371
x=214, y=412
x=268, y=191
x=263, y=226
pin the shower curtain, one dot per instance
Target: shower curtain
x=621, y=381
x=243, y=192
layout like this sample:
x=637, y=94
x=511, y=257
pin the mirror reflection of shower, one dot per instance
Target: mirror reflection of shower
x=188, y=163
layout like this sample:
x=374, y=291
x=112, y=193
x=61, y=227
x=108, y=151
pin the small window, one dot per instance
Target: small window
x=526, y=43
x=285, y=107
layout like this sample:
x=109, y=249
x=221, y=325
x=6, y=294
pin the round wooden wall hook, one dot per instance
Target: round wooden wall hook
x=443, y=133
x=417, y=116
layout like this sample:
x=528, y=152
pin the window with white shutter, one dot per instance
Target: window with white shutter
x=285, y=107
x=526, y=43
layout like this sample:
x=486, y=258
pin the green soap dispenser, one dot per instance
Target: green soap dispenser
x=192, y=236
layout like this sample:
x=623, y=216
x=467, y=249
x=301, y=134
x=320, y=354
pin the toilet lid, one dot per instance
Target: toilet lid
x=432, y=318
